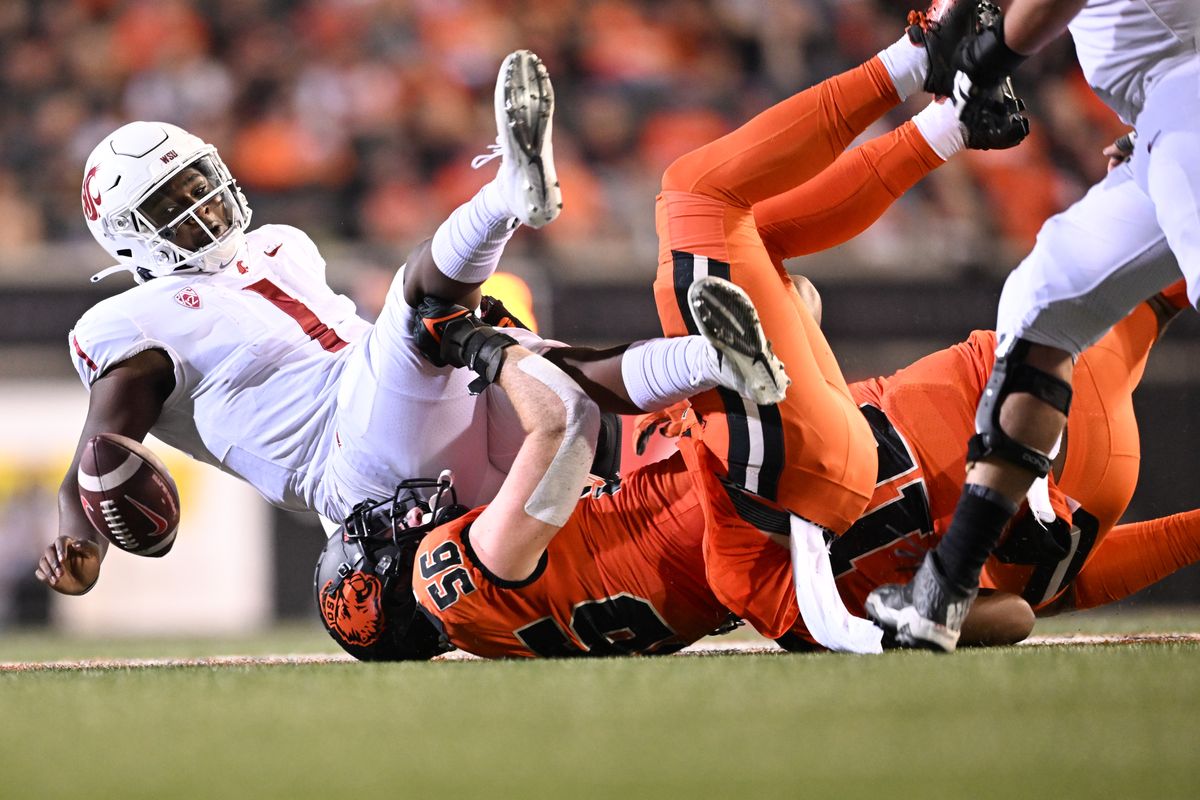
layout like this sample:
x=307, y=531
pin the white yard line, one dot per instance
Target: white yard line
x=700, y=648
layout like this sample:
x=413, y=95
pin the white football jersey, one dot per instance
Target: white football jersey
x=258, y=350
x=279, y=382
x=1124, y=46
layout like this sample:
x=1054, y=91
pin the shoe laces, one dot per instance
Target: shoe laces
x=495, y=150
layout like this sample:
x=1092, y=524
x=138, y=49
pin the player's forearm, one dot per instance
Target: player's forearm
x=552, y=408
x=598, y=373
x=550, y=469
x=999, y=50
x=1029, y=25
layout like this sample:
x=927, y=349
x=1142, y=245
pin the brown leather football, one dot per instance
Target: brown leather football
x=128, y=495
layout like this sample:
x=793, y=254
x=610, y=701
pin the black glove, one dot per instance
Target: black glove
x=494, y=313
x=450, y=335
x=986, y=58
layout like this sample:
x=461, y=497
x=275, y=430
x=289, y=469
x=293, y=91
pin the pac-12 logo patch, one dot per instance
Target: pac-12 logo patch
x=188, y=298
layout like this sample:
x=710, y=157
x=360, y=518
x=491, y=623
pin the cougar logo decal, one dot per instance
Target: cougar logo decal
x=354, y=611
x=90, y=199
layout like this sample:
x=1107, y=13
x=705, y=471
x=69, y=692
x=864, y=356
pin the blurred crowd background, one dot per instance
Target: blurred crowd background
x=356, y=119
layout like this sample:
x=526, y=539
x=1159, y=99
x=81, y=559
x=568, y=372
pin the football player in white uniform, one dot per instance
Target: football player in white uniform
x=1129, y=237
x=234, y=349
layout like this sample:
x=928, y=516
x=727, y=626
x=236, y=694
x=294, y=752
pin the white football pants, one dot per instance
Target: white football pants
x=399, y=417
x=1132, y=235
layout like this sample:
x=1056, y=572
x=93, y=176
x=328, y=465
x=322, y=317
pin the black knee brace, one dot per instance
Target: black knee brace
x=1011, y=375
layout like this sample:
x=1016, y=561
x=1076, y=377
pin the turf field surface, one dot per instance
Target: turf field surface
x=1064, y=719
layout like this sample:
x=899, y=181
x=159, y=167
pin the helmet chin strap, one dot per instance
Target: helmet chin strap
x=113, y=270
x=223, y=254
x=214, y=260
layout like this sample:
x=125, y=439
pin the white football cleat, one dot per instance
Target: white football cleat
x=726, y=318
x=524, y=118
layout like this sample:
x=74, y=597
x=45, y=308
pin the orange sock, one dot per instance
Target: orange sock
x=845, y=198
x=788, y=143
x=1132, y=557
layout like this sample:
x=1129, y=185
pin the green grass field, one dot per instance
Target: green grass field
x=1099, y=721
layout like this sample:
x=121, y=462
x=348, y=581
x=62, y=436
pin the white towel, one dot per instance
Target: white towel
x=824, y=613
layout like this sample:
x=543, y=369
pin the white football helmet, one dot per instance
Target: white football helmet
x=120, y=182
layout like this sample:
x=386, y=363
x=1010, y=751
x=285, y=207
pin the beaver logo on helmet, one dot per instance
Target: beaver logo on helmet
x=354, y=609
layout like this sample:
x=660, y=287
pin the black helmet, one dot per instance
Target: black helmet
x=363, y=581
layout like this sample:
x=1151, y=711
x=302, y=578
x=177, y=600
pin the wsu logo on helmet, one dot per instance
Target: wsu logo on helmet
x=354, y=610
x=91, y=198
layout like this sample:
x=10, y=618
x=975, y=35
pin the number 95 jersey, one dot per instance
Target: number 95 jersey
x=626, y=575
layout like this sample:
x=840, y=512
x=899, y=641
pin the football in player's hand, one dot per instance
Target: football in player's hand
x=128, y=495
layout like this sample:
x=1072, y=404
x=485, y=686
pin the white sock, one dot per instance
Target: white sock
x=907, y=65
x=467, y=246
x=658, y=373
x=939, y=125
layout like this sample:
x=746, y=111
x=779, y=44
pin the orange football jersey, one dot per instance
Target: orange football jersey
x=665, y=558
x=923, y=416
x=624, y=576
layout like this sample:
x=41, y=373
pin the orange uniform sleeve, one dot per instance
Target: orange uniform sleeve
x=472, y=612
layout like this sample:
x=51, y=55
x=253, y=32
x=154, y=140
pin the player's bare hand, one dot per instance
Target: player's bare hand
x=70, y=566
x=1120, y=151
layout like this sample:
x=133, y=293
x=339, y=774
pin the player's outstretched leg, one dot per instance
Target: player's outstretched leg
x=466, y=248
x=726, y=318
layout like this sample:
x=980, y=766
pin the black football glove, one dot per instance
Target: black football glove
x=494, y=313
x=450, y=335
x=985, y=57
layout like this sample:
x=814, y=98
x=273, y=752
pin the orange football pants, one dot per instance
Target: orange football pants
x=779, y=186
x=1137, y=555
